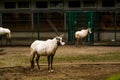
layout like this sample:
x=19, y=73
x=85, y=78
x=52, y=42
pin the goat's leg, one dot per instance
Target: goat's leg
x=32, y=60
x=52, y=62
x=48, y=57
x=37, y=61
x=1, y=40
x=77, y=42
x=9, y=41
x=83, y=41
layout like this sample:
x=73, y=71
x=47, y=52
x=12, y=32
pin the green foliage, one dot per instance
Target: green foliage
x=114, y=77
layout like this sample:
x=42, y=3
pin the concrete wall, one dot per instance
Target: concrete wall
x=107, y=36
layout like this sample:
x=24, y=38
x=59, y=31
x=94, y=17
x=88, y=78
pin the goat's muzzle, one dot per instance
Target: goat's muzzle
x=62, y=43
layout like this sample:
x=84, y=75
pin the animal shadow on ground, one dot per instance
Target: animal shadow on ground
x=13, y=73
x=2, y=52
x=62, y=72
x=19, y=72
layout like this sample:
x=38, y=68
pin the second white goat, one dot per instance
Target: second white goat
x=81, y=34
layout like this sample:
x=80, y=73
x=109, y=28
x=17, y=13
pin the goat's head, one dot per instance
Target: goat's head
x=89, y=30
x=59, y=39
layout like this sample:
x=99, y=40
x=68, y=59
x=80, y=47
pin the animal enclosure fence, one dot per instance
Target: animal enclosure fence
x=104, y=24
x=78, y=21
x=27, y=26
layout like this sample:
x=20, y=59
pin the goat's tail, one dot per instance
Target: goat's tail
x=9, y=35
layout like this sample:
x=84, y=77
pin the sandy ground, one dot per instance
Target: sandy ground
x=63, y=70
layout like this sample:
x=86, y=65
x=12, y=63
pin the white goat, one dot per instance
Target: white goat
x=5, y=32
x=45, y=48
x=81, y=34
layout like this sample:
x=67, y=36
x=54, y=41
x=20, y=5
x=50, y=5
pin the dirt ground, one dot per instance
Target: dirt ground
x=11, y=69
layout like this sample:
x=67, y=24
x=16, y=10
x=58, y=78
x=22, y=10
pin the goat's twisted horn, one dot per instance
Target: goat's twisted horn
x=53, y=27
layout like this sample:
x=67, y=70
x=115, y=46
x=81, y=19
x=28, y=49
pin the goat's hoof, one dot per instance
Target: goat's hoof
x=31, y=69
x=51, y=71
x=40, y=69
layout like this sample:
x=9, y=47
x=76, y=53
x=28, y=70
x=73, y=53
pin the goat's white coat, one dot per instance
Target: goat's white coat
x=47, y=47
x=5, y=31
x=81, y=34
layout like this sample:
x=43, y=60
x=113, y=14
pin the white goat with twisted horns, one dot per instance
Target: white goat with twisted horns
x=45, y=48
x=5, y=32
x=82, y=34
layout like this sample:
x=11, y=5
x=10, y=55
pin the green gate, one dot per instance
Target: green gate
x=76, y=21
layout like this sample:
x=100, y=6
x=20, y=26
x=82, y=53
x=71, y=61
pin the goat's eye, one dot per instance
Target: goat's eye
x=58, y=39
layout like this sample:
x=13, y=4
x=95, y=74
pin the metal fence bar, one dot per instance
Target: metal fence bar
x=0, y=18
x=38, y=25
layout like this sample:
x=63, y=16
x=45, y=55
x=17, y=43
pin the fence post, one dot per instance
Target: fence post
x=32, y=23
x=71, y=27
x=115, y=26
x=38, y=25
x=0, y=18
x=91, y=19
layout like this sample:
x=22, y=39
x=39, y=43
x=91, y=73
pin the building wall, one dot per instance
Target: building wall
x=26, y=19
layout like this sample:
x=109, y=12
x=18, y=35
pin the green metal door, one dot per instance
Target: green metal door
x=78, y=20
x=91, y=20
x=71, y=27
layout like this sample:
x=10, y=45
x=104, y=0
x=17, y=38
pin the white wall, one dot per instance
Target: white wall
x=107, y=36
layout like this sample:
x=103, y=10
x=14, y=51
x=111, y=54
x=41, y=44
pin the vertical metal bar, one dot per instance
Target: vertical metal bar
x=0, y=19
x=65, y=21
x=32, y=22
x=115, y=28
x=74, y=27
x=69, y=21
x=71, y=27
x=92, y=27
x=38, y=25
x=70, y=24
x=91, y=19
x=88, y=22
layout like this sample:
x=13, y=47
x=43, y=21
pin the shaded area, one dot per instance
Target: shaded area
x=62, y=72
x=2, y=52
